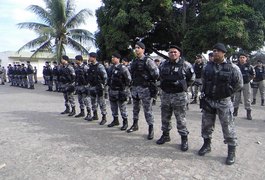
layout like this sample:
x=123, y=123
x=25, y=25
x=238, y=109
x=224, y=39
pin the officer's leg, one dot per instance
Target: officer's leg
x=103, y=109
x=115, y=115
x=124, y=114
x=136, y=110
x=72, y=103
x=246, y=94
x=262, y=92
x=237, y=97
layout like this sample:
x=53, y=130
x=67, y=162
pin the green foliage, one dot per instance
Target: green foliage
x=58, y=28
x=196, y=28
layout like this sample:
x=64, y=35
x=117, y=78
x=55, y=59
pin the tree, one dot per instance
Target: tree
x=192, y=24
x=59, y=28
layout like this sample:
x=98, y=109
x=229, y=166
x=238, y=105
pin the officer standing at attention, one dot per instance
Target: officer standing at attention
x=81, y=89
x=143, y=71
x=258, y=82
x=67, y=78
x=118, y=82
x=97, y=78
x=221, y=79
x=30, y=75
x=248, y=74
x=175, y=77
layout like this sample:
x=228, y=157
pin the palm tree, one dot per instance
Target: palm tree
x=58, y=28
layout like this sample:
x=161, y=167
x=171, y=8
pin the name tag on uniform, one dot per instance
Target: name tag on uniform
x=176, y=69
x=246, y=68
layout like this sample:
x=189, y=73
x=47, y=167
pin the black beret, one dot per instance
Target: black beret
x=48, y=62
x=176, y=47
x=54, y=62
x=243, y=54
x=210, y=54
x=93, y=54
x=220, y=46
x=140, y=44
x=28, y=61
x=79, y=58
x=126, y=59
x=117, y=55
x=64, y=57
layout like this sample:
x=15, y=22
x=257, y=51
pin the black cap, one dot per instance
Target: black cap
x=140, y=44
x=54, y=62
x=47, y=62
x=126, y=59
x=243, y=54
x=79, y=58
x=259, y=61
x=176, y=47
x=93, y=54
x=117, y=55
x=220, y=46
x=64, y=57
x=28, y=61
x=210, y=54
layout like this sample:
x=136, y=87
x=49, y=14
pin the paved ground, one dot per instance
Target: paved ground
x=36, y=142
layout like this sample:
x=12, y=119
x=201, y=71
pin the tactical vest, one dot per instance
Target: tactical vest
x=217, y=82
x=198, y=70
x=93, y=75
x=116, y=80
x=29, y=69
x=260, y=73
x=80, y=78
x=171, y=75
x=66, y=75
x=55, y=71
x=245, y=70
x=140, y=73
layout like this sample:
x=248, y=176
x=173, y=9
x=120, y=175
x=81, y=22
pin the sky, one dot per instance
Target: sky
x=15, y=11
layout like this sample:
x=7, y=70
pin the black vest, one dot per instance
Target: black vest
x=171, y=75
x=80, y=78
x=217, y=81
x=116, y=80
x=245, y=70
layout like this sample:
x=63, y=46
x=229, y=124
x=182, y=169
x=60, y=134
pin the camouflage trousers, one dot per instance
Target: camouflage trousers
x=246, y=96
x=174, y=103
x=69, y=99
x=117, y=104
x=224, y=109
x=142, y=94
x=83, y=97
x=98, y=100
x=30, y=78
x=261, y=88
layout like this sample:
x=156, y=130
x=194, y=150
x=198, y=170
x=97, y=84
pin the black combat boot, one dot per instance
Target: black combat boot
x=125, y=124
x=164, y=138
x=249, y=117
x=231, y=155
x=150, y=132
x=95, y=115
x=206, y=147
x=194, y=101
x=253, y=102
x=66, y=111
x=103, y=120
x=262, y=102
x=88, y=116
x=235, y=112
x=184, y=143
x=72, y=112
x=115, y=122
x=81, y=114
x=134, y=127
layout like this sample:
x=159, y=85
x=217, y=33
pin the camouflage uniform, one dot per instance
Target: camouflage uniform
x=143, y=71
x=219, y=83
x=258, y=84
x=67, y=79
x=97, y=78
x=119, y=80
x=30, y=76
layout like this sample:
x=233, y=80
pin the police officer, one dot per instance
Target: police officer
x=118, y=82
x=56, y=76
x=24, y=78
x=81, y=87
x=97, y=78
x=258, y=82
x=220, y=80
x=30, y=75
x=47, y=73
x=144, y=71
x=175, y=77
x=67, y=78
x=198, y=66
x=248, y=74
x=126, y=62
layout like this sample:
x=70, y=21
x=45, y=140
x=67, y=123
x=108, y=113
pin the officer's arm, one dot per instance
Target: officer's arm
x=103, y=74
x=237, y=79
x=153, y=69
x=127, y=76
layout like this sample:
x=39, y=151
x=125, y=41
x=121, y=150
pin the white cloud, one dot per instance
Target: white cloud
x=14, y=11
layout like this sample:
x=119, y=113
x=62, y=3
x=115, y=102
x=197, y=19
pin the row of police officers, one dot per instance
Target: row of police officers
x=220, y=80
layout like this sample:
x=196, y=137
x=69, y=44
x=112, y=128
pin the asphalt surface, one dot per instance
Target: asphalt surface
x=36, y=143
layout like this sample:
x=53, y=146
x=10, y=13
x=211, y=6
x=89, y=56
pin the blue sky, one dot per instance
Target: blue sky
x=14, y=11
